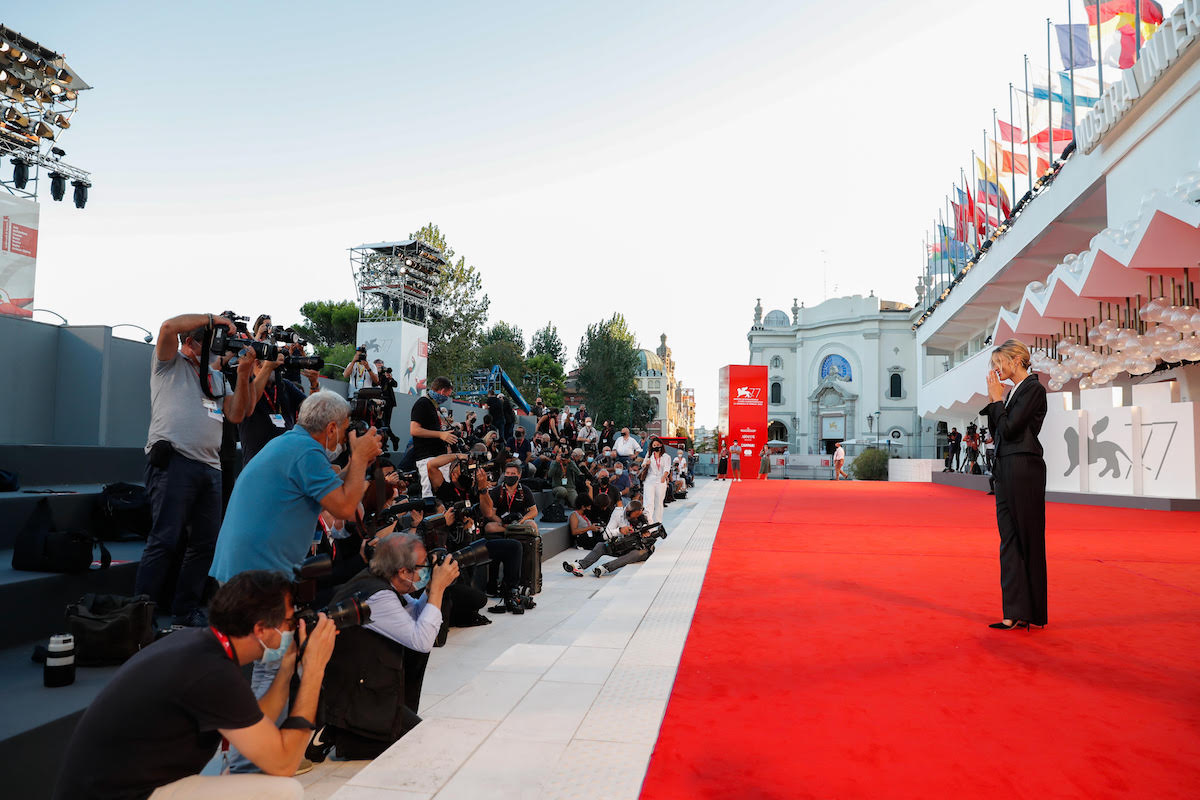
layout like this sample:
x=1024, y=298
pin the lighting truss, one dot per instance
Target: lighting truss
x=397, y=280
x=39, y=94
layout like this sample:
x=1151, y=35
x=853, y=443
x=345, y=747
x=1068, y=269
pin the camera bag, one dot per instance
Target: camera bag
x=123, y=512
x=40, y=548
x=9, y=481
x=109, y=628
x=531, y=556
x=555, y=512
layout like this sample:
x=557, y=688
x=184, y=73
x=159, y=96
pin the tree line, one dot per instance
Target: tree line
x=461, y=342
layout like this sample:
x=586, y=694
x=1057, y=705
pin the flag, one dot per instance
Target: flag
x=991, y=193
x=1010, y=133
x=952, y=248
x=1073, y=42
x=1117, y=43
x=1010, y=162
x=1086, y=89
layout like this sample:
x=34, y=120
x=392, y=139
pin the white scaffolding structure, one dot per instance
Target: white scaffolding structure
x=396, y=280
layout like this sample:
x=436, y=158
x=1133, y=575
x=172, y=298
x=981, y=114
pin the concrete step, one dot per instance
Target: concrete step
x=50, y=465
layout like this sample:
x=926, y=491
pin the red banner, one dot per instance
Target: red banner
x=743, y=412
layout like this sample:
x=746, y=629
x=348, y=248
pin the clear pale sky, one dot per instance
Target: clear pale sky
x=672, y=161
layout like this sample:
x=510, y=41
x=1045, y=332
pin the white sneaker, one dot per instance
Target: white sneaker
x=573, y=568
x=597, y=571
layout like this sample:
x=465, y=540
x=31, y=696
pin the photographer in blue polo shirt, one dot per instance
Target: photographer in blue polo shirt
x=273, y=511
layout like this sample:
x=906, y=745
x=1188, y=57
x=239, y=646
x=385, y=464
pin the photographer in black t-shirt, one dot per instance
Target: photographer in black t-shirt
x=388, y=384
x=162, y=716
x=429, y=438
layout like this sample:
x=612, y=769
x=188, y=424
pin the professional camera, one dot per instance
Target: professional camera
x=293, y=364
x=642, y=536
x=360, y=354
x=379, y=520
x=286, y=335
x=472, y=555
x=345, y=614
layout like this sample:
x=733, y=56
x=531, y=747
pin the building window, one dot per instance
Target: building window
x=776, y=393
x=776, y=362
x=896, y=386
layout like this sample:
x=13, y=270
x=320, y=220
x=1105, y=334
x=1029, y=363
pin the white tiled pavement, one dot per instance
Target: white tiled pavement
x=562, y=702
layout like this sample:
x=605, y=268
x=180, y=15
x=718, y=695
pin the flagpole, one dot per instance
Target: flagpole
x=1049, y=91
x=999, y=205
x=974, y=199
x=1137, y=27
x=1012, y=143
x=1071, y=67
x=1028, y=126
x=1099, y=50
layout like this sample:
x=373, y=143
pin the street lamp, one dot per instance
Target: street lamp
x=149, y=337
x=55, y=313
x=536, y=378
x=877, y=424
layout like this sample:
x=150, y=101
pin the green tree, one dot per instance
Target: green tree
x=550, y=388
x=457, y=323
x=504, y=332
x=607, y=361
x=644, y=408
x=329, y=322
x=545, y=342
x=330, y=327
x=502, y=344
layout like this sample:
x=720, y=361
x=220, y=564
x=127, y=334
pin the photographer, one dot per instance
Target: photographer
x=624, y=521
x=359, y=373
x=388, y=384
x=457, y=487
x=564, y=476
x=608, y=436
x=183, y=465
x=585, y=533
x=425, y=426
x=276, y=403
x=372, y=684
x=161, y=718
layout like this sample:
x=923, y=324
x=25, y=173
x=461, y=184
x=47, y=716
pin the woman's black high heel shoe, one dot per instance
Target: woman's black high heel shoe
x=1003, y=627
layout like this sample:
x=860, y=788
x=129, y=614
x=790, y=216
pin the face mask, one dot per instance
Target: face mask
x=511, y=480
x=334, y=453
x=271, y=654
x=620, y=472
x=464, y=481
x=422, y=579
x=438, y=397
x=590, y=459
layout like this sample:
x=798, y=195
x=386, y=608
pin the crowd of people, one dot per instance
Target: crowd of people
x=223, y=558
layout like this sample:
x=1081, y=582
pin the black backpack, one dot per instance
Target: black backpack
x=554, y=512
x=122, y=512
x=40, y=548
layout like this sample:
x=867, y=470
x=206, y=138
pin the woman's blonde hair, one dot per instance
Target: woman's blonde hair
x=1014, y=349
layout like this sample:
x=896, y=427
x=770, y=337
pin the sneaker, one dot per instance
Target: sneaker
x=319, y=747
x=476, y=621
x=305, y=766
x=573, y=568
x=597, y=572
x=499, y=608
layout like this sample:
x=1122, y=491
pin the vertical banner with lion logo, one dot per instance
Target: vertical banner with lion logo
x=18, y=254
x=742, y=409
x=403, y=346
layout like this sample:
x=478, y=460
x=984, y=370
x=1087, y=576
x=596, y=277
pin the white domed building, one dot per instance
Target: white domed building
x=655, y=375
x=839, y=371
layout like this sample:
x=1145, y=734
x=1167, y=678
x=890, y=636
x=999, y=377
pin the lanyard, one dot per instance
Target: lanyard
x=273, y=397
x=228, y=648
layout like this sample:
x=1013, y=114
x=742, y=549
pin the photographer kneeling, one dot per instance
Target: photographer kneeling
x=162, y=716
x=372, y=684
x=624, y=521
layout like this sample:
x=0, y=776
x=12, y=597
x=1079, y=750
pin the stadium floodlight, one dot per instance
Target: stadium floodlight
x=81, y=193
x=20, y=173
x=43, y=91
x=58, y=185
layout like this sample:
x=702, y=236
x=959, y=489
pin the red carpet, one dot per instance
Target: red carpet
x=840, y=649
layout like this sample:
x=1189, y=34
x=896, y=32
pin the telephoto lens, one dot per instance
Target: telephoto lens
x=60, y=661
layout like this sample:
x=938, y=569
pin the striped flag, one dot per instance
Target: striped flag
x=1117, y=43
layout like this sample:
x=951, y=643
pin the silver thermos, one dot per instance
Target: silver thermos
x=60, y=661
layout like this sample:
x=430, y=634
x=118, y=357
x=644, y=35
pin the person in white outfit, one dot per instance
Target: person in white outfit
x=658, y=471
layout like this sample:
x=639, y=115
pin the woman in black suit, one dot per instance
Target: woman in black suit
x=1020, y=475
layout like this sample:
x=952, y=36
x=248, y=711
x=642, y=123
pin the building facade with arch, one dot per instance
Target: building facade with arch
x=844, y=370
x=675, y=413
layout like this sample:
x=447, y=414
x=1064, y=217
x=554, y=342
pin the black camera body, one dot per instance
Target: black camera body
x=286, y=336
x=366, y=412
x=637, y=538
x=377, y=521
x=348, y=613
x=472, y=555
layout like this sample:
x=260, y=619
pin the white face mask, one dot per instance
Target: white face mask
x=335, y=452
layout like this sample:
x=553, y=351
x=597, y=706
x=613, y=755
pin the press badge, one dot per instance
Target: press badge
x=214, y=412
x=276, y=420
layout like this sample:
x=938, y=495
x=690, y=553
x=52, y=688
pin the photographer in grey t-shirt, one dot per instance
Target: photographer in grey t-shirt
x=183, y=467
